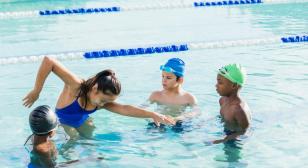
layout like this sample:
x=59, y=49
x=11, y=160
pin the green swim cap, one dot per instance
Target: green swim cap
x=234, y=72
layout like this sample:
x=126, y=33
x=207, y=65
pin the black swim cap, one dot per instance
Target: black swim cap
x=42, y=120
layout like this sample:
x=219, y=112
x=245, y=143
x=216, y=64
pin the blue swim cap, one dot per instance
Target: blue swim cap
x=175, y=66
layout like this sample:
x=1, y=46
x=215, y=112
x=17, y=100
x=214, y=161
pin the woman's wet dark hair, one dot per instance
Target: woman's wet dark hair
x=106, y=82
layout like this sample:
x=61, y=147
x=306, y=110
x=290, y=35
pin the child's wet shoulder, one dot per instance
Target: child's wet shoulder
x=237, y=108
x=191, y=99
x=155, y=95
x=41, y=149
x=222, y=100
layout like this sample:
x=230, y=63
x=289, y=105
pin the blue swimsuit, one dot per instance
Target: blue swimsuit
x=73, y=115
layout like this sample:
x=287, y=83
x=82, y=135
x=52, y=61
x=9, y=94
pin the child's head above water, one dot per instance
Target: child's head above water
x=43, y=120
x=230, y=78
x=172, y=73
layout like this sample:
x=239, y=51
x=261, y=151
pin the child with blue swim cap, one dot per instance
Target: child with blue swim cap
x=234, y=110
x=79, y=98
x=173, y=95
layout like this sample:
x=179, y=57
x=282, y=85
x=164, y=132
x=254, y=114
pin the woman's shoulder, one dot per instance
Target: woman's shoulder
x=72, y=90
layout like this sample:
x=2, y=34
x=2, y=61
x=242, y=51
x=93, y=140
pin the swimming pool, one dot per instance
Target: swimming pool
x=276, y=89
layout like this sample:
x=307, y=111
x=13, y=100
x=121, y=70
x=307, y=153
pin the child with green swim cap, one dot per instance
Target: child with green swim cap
x=234, y=111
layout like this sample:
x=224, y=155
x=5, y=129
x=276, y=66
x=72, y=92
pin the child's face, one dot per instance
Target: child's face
x=223, y=86
x=169, y=80
x=98, y=98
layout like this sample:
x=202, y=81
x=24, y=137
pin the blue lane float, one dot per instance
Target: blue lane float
x=118, y=9
x=158, y=49
x=79, y=11
x=224, y=3
x=169, y=5
x=136, y=51
x=294, y=39
x=173, y=48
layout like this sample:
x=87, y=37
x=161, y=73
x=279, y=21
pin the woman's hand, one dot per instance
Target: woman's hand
x=159, y=118
x=30, y=98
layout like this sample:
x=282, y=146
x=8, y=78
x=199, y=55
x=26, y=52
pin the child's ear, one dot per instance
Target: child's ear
x=181, y=80
x=51, y=133
x=234, y=86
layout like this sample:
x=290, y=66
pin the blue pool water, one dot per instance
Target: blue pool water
x=276, y=90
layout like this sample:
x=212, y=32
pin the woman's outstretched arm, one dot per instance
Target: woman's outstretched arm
x=50, y=65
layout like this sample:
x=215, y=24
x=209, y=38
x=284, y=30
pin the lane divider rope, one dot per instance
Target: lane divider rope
x=156, y=5
x=157, y=49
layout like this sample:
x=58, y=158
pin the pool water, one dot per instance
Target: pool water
x=276, y=90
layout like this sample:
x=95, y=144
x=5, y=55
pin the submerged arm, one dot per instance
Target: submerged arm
x=189, y=115
x=195, y=111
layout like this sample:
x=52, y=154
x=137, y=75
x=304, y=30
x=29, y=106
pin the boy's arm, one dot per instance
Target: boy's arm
x=128, y=110
x=242, y=121
x=227, y=138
